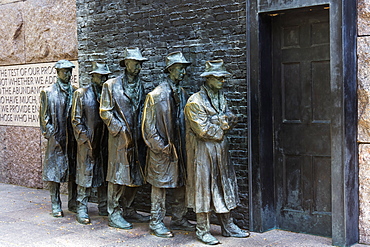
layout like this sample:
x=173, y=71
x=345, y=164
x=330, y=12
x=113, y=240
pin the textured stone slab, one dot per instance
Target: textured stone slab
x=12, y=34
x=363, y=75
x=363, y=20
x=51, y=31
x=3, y=168
x=25, y=212
x=22, y=158
x=36, y=31
x=364, y=193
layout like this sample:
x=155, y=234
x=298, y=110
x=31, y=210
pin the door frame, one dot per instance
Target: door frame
x=344, y=150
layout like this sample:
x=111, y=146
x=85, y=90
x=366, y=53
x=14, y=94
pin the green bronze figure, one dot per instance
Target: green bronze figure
x=163, y=128
x=121, y=109
x=91, y=135
x=211, y=183
x=55, y=123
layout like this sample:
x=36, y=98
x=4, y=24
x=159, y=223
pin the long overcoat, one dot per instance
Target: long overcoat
x=211, y=183
x=55, y=124
x=122, y=116
x=90, y=133
x=163, y=128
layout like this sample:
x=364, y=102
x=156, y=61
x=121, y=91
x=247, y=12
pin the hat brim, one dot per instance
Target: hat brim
x=99, y=72
x=218, y=74
x=185, y=63
x=122, y=62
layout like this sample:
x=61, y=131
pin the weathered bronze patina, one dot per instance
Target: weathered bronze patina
x=164, y=132
x=92, y=138
x=121, y=109
x=211, y=183
x=55, y=123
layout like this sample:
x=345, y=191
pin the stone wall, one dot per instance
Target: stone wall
x=32, y=31
x=202, y=30
x=363, y=54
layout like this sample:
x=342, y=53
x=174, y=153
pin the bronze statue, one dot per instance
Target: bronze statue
x=121, y=109
x=163, y=130
x=91, y=135
x=55, y=123
x=211, y=183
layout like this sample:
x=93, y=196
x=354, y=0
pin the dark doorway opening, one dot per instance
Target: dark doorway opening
x=297, y=43
x=301, y=98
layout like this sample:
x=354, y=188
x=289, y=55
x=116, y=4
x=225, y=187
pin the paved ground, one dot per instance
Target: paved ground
x=25, y=220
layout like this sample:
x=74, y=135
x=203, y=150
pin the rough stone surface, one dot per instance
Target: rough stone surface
x=32, y=31
x=202, y=30
x=363, y=21
x=35, y=31
x=3, y=166
x=23, y=157
x=50, y=32
x=25, y=212
x=363, y=54
x=364, y=193
x=12, y=34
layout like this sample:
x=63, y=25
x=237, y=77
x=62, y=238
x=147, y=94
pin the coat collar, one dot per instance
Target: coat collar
x=211, y=95
x=64, y=88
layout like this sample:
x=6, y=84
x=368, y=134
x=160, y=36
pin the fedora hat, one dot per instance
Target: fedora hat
x=132, y=53
x=175, y=57
x=64, y=64
x=100, y=68
x=215, y=68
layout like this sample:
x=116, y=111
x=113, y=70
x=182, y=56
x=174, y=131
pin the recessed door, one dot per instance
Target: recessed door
x=301, y=120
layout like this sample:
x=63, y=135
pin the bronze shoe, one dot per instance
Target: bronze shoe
x=83, y=218
x=232, y=230
x=116, y=220
x=57, y=214
x=184, y=225
x=160, y=230
x=136, y=217
x=207, y=238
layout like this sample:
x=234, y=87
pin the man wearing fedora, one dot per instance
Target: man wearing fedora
x=211, y=183
x=121, y=108
x=163, y=128
x=55, y=123
x=91, y=135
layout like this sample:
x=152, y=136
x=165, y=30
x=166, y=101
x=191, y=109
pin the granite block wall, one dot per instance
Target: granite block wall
x=202, y=30
x=32, y=31
x=363, y=80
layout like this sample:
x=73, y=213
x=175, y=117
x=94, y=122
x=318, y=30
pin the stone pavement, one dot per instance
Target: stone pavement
x=25, y=220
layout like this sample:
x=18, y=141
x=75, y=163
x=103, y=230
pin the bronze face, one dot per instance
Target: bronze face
x=99, y=79
x=64, y=75
x=177, y=72
x=215, y=83
x=133, y=67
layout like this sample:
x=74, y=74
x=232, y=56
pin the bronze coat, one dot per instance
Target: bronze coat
x=55, y=124
x=211, y=183
x=163, y=130
x=90, y=133
x=126, y=154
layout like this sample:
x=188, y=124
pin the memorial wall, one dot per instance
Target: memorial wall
x=363, y=93
x=34, y=34
x=20, y=88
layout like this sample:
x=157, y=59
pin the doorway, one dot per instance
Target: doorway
x=301, y=108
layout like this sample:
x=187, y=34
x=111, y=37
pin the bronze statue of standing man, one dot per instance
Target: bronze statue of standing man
x=211, y=183
x=121, y=109
x=163, y=130
x=91, y=135
x=55, y=123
